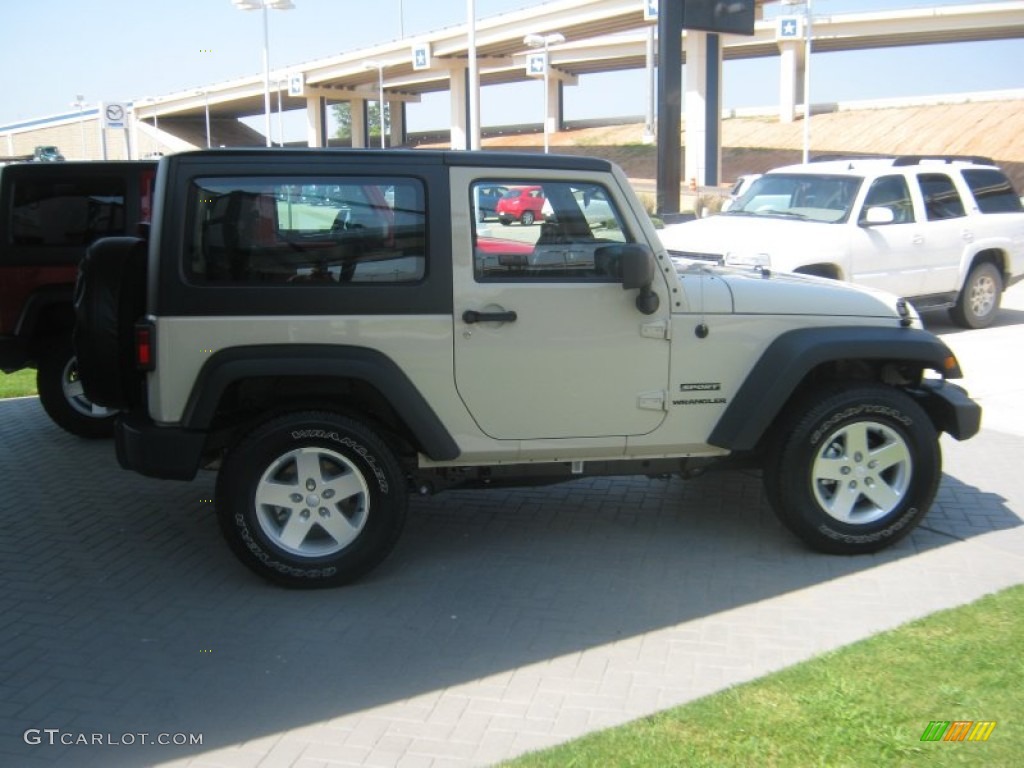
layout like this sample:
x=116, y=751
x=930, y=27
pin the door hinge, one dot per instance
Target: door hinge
x=656, y=330
x=651, y=401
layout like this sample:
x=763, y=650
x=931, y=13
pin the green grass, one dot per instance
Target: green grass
x=864, y=705
x=17, y=384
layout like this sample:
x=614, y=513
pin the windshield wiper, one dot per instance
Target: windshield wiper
x=776, y=212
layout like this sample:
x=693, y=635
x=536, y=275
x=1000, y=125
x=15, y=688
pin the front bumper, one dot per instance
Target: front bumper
x=950, y=408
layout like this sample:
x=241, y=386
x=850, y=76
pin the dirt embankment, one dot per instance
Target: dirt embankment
x=992, y=129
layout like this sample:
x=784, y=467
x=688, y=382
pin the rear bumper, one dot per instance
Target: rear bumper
x=951, y=409
x=169, y=453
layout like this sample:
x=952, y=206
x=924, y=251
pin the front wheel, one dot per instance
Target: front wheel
x=978, y=302
x=311, y=499
x=854, y=468
x=527, y=218
x=62, y=397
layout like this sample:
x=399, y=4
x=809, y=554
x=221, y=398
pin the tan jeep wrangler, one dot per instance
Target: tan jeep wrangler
x=332, y=329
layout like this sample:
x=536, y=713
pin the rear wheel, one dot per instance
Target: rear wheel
x=311, y=499
x=854, y=469
x=978, y=302
x=62, y=396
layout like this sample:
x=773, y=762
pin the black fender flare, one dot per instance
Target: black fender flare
x=42, y=301
x=228, y=366
x=794, y=354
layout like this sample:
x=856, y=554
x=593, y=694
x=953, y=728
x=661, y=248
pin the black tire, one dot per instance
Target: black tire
x=883, y=452
x=62, y=395
x=526, y=219
x=110, y=295
x=978, y=302
x=306, y=541
x=505, y=222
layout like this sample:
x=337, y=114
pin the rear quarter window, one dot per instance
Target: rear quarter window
x=298, y=231
x=992, y=191
x=66, y=211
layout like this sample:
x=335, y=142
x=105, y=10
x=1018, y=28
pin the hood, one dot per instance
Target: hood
x=764, y=292
x=742, y=239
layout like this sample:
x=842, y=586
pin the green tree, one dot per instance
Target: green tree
x=343, y=117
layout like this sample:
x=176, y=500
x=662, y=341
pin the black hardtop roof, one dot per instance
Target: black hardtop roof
x=79, y=165
x=400, y=157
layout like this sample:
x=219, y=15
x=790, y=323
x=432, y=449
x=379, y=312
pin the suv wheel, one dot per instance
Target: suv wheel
x=60, y=392
x=978, y=302
x=311, y=499
x=854, y=469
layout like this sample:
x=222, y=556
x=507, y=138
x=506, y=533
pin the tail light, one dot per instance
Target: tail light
x=145, y=345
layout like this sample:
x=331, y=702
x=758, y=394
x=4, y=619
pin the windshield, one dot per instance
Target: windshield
x=800, y=196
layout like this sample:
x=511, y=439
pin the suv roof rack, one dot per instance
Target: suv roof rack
x=850, y=158
x=916, y=159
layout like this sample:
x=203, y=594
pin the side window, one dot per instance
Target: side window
x=941, y=200
x=893, y=193
x=67, y=211
x=992, y=191
x=546, y=231
x=302, y=231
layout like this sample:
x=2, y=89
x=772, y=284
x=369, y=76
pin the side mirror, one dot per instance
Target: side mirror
x=879, y=215
x=636, y=269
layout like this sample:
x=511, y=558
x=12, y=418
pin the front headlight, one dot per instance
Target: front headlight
x=738, y=259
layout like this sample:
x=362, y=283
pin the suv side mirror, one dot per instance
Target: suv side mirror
x=879, y=215
x=636, y=270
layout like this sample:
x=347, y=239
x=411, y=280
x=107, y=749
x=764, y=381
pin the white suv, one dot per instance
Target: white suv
x=945, y=232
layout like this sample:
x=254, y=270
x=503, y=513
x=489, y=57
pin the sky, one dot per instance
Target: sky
x=119, y=50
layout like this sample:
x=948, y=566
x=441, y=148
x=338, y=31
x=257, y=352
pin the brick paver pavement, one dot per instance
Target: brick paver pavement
x=506, y=620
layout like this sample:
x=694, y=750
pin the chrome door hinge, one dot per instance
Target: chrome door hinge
x=651, y=401
x=656, y=330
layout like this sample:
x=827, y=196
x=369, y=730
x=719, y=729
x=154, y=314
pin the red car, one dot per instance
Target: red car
x=522, y=204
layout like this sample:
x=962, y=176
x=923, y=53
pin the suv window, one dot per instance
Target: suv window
x=67, y=211
x=992, y=191
x=941, y=200
x=577, y=220
x=893, y=193
x=297, y=231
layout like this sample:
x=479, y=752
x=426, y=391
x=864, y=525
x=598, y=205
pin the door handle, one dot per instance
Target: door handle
x=918, y=239
x=472, y=316
x=967, y=235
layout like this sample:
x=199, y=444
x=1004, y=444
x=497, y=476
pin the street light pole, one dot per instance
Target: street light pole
x=80, y=103
x=206, y=100
x=379, y=66
x=264, y=5
x=808, y=35
x=807, y=87
x=474, y=77
x=280, y=115
x=544, y=41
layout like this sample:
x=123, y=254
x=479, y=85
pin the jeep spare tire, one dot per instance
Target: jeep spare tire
x=110, y=296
